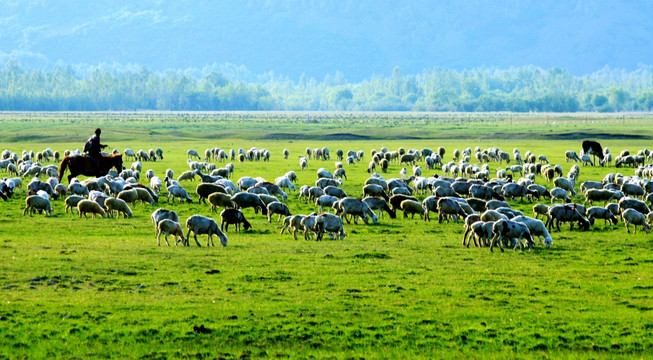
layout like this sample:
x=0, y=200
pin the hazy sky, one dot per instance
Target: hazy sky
x=359, y=38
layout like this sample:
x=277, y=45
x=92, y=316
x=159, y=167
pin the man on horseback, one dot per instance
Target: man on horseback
x=93, y=148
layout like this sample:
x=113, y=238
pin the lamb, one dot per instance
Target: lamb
x=331, y=224
x=187, y=175
x=119, y=206
x=325, y=201
x=200, y=225
x=170, y=227
x=379, y=205
x=509, y=229
x=37, y=203
x=536, y=228
x=277, y=207
x=597, y=212
x=396, y=200
x=245, y=200
x=179, y=192
x=204, y=190
x=89, y=206
x=632, y=216
x=233, y=216
x=566, y=213
x=356, y=208
x=412, y=207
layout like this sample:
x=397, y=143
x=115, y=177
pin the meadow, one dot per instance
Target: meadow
x=101, y=288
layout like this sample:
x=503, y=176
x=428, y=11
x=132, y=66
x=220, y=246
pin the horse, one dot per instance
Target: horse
x=84, y=165
x=593, y=148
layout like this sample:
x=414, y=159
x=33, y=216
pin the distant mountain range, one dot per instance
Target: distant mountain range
x=358, y=38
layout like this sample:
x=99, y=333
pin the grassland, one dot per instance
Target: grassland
x=79, y=288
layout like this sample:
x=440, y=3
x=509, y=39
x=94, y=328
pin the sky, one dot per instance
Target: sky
x=357, y=38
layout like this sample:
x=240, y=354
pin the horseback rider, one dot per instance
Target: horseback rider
x=93, y=148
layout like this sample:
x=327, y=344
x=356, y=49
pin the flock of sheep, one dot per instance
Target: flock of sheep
x=464, y=188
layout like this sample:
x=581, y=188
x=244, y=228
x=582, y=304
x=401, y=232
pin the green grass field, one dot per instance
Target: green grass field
x=102, y=288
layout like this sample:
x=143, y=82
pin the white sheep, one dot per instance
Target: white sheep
x=89, y=206
x=186, y=175
x=558, y=193
x=566, y=184
x=72, y=201
x=193, y=153
x=632, y=216
x=537, y=228
x=117, y=205
x=331, y=224
x=169, y=227
x=36, y=202
x=507, y=229
x=277, y=207
x=129, y=196
x=176, y=191
x=200, y=225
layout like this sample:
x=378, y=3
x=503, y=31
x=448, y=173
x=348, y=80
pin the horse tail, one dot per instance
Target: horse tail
x=63, y=166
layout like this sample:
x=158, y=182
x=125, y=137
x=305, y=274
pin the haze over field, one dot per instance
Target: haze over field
x=358, y=38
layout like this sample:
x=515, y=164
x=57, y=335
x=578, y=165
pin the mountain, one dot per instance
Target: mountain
x=358, y=38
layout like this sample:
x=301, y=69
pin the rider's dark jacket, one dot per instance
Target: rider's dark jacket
x=93, y=147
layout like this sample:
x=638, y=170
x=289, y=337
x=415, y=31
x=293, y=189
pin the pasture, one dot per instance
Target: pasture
x=76, y=288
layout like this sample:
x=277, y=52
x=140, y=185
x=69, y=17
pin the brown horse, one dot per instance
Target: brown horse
x=83, y=165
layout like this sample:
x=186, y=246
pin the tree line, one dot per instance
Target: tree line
x=523, y=89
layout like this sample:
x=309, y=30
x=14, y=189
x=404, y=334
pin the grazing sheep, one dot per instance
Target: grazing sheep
x=335, y=191
x=284, y=183
x=481, y=231
x=536, y=228
x=72, y=201
x=571, y=156
x=469, y=220
x=566, y=213
x=603, y=195
x=379, y=205
x=495, y=204
x=558, y=193
x=37, y=203
x=374, y=190
x=329, y=223
x=586, y=185
x=597, y=212
x=356, y=208
x=566, y=184
x=632, y=216
x=119, y=206
x=204, y=190
x=448, y=206
x=161, y=214
x=233, y=216
x=170, y=227
x=246, y=182
x=176, y=191
x=245, y=200
x=513, y=190
x=508, y=229
x=200, y=225
x=314, y=192
x=308, y=223
x=412, y=207
x=277, y=207
x=273, y=189
x=155, y=184
x=129, y=196
x=630, y=203
x=303, y=163
x=632, y=190
x=89, y=206
x=186, y=175
x=325, y=201
x=540, y=209
x=396, y=200
x=493, y=215
x=193, y=153
x=324, y=182
x=218, y=199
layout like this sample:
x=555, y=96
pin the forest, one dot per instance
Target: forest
x=520, y=89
